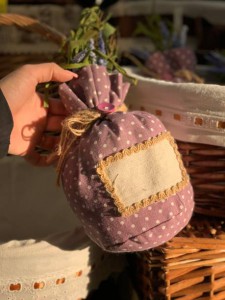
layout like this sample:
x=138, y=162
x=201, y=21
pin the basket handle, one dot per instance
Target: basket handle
x=33, y=25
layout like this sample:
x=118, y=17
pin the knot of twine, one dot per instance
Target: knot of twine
x=73, y=127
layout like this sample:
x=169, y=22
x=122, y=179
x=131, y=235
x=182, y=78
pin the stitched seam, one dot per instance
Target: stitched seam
x=129, y=210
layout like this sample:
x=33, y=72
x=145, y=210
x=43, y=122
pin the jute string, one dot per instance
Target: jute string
x=73, y=127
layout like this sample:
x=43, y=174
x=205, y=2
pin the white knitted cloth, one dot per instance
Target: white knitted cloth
x=192, y=112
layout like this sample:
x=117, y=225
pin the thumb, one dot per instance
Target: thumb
x=50, y=72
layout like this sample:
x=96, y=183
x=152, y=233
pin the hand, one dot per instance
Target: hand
x=31, y=119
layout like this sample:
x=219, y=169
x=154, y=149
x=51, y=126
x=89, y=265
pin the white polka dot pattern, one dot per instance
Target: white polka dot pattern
x=93, y=87
x=86, y=193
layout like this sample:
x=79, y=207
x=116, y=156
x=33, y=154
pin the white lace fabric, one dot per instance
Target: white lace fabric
x=41, y=270
x=44, y=253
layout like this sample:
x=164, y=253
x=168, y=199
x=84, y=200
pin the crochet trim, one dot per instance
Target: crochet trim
x=129, y=210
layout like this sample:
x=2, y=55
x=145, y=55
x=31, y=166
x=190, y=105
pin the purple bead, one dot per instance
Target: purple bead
x=106, y=107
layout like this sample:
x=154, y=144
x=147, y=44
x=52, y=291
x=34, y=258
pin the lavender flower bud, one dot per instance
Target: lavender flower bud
x=79, y=56
x=92, y=54
x=102, y=62
x=101, y=45
x=164, y=30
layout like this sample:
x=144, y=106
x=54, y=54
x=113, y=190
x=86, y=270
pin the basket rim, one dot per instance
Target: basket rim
x=32, y=25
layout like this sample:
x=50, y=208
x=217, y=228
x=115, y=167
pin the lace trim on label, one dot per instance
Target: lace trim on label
x=129, y=210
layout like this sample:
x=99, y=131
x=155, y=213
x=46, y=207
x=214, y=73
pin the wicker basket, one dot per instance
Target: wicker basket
x=9, y=62
x=204, y=162
x=190, y=266
x=206, y=165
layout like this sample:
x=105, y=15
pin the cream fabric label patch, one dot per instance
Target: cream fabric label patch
x=145, y=173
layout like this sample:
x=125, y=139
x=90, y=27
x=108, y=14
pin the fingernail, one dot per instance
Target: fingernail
x=72, y=73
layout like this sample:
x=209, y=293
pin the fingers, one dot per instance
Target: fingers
x=37, y=159
x=55, y=107
x=54, y=123
x=49, y=142
x=49, y=72
x=44, y=154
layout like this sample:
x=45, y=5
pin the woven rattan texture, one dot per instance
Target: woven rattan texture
x=190, y=266
x=206, y=165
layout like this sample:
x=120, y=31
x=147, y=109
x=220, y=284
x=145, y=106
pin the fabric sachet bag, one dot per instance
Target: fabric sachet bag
x=121, y=171
x=170, y=58
x=170, y=63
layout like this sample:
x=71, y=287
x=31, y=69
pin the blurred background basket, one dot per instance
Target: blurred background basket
x=11, y=61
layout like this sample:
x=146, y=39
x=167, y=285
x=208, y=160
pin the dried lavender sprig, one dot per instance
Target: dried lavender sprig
x=165, y=34
x=92, y=54
x=164, y=30
x=183, y=35
x=79, y=56
x=101, y=45
x=141, y=54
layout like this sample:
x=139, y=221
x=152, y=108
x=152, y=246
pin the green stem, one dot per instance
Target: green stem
x=116, y=65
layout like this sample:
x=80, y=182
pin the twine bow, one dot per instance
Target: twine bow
x=75, y=126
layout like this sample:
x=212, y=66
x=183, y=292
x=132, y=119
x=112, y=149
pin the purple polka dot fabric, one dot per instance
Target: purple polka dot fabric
x=166, y=63
x=148, y=226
